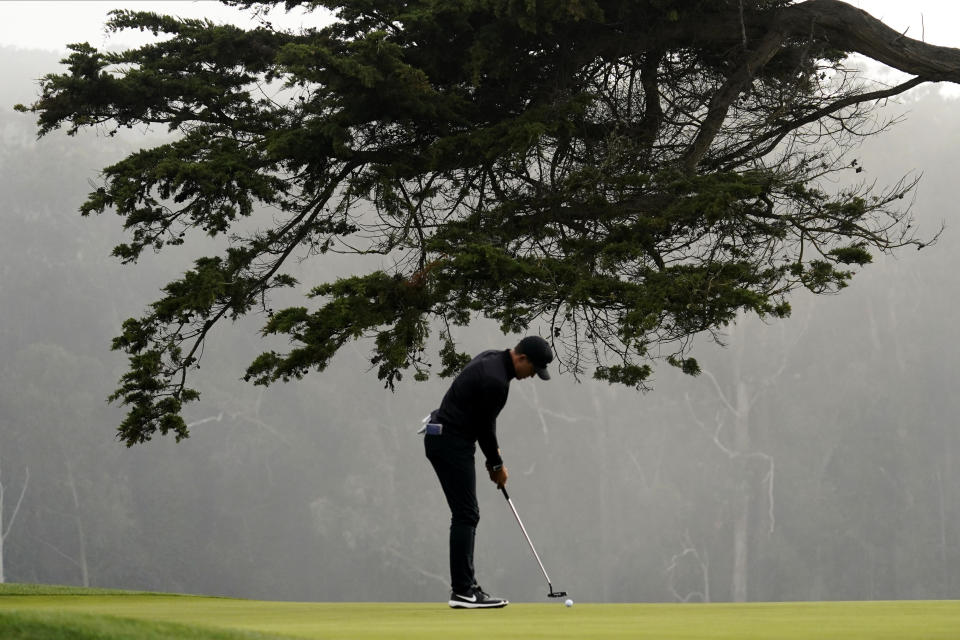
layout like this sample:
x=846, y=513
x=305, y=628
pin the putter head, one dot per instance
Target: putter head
x=557, y=594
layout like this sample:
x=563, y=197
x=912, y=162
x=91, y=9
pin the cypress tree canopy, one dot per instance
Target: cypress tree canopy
x=620, y=175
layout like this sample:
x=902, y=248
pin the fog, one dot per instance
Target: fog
x=813, y=460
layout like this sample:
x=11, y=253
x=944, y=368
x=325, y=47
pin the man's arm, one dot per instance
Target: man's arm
x=495, y=398
x=488, y=444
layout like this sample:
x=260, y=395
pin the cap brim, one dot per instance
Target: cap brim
x=543, y=374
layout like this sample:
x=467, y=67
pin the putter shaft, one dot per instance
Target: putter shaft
x=559, y=594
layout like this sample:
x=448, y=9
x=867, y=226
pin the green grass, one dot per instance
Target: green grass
x=17, y=589
x=59, y=613
x=82, y=626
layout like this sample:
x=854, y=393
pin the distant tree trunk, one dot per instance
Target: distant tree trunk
x=5, y=527
x=738, y=403
x=820, y=579
x=601, y=439
x=941, y=503
x=81, y=537
x=741, y=523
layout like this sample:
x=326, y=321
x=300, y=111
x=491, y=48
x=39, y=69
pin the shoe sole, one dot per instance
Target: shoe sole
x=459, y=604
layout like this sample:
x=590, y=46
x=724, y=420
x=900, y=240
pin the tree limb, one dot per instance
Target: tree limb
x=727, y=94
x=850, y=29
x=16, y=509
x=777, y=135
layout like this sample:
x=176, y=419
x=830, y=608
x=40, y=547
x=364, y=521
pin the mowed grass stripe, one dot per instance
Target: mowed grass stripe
x=901, y=620
x=18, y=625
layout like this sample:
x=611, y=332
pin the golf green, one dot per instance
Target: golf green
x=900, y=620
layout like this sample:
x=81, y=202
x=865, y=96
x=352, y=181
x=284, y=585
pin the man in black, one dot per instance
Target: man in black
x=468, y=415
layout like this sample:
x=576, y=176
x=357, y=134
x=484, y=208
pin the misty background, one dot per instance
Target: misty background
x=815, y=458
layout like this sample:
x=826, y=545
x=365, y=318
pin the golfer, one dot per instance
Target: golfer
x=467, y=416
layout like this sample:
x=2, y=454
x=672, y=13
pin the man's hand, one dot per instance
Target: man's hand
x=499, y=476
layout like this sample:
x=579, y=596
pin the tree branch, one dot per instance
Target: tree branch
x=848, y=28
x=777, y=135
x=23, y=490
x=727, y=94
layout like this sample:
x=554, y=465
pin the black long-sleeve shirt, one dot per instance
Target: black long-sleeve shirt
x=478, y=393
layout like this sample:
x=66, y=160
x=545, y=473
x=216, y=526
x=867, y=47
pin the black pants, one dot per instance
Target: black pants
x=452, y=457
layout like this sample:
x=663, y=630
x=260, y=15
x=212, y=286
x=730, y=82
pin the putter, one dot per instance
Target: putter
x=552, y=594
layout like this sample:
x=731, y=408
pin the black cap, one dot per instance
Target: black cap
x=538, y=352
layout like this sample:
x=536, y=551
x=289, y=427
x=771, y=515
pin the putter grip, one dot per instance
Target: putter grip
x=505, y=494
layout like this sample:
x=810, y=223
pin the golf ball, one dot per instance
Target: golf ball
x=569, y=602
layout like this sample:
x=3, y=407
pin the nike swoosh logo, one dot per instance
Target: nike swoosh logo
x=470, y=599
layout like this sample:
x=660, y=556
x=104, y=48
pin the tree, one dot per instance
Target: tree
x=625, y=174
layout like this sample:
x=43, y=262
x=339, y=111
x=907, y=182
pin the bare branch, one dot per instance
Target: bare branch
x=777, y=135
x=16, y=509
